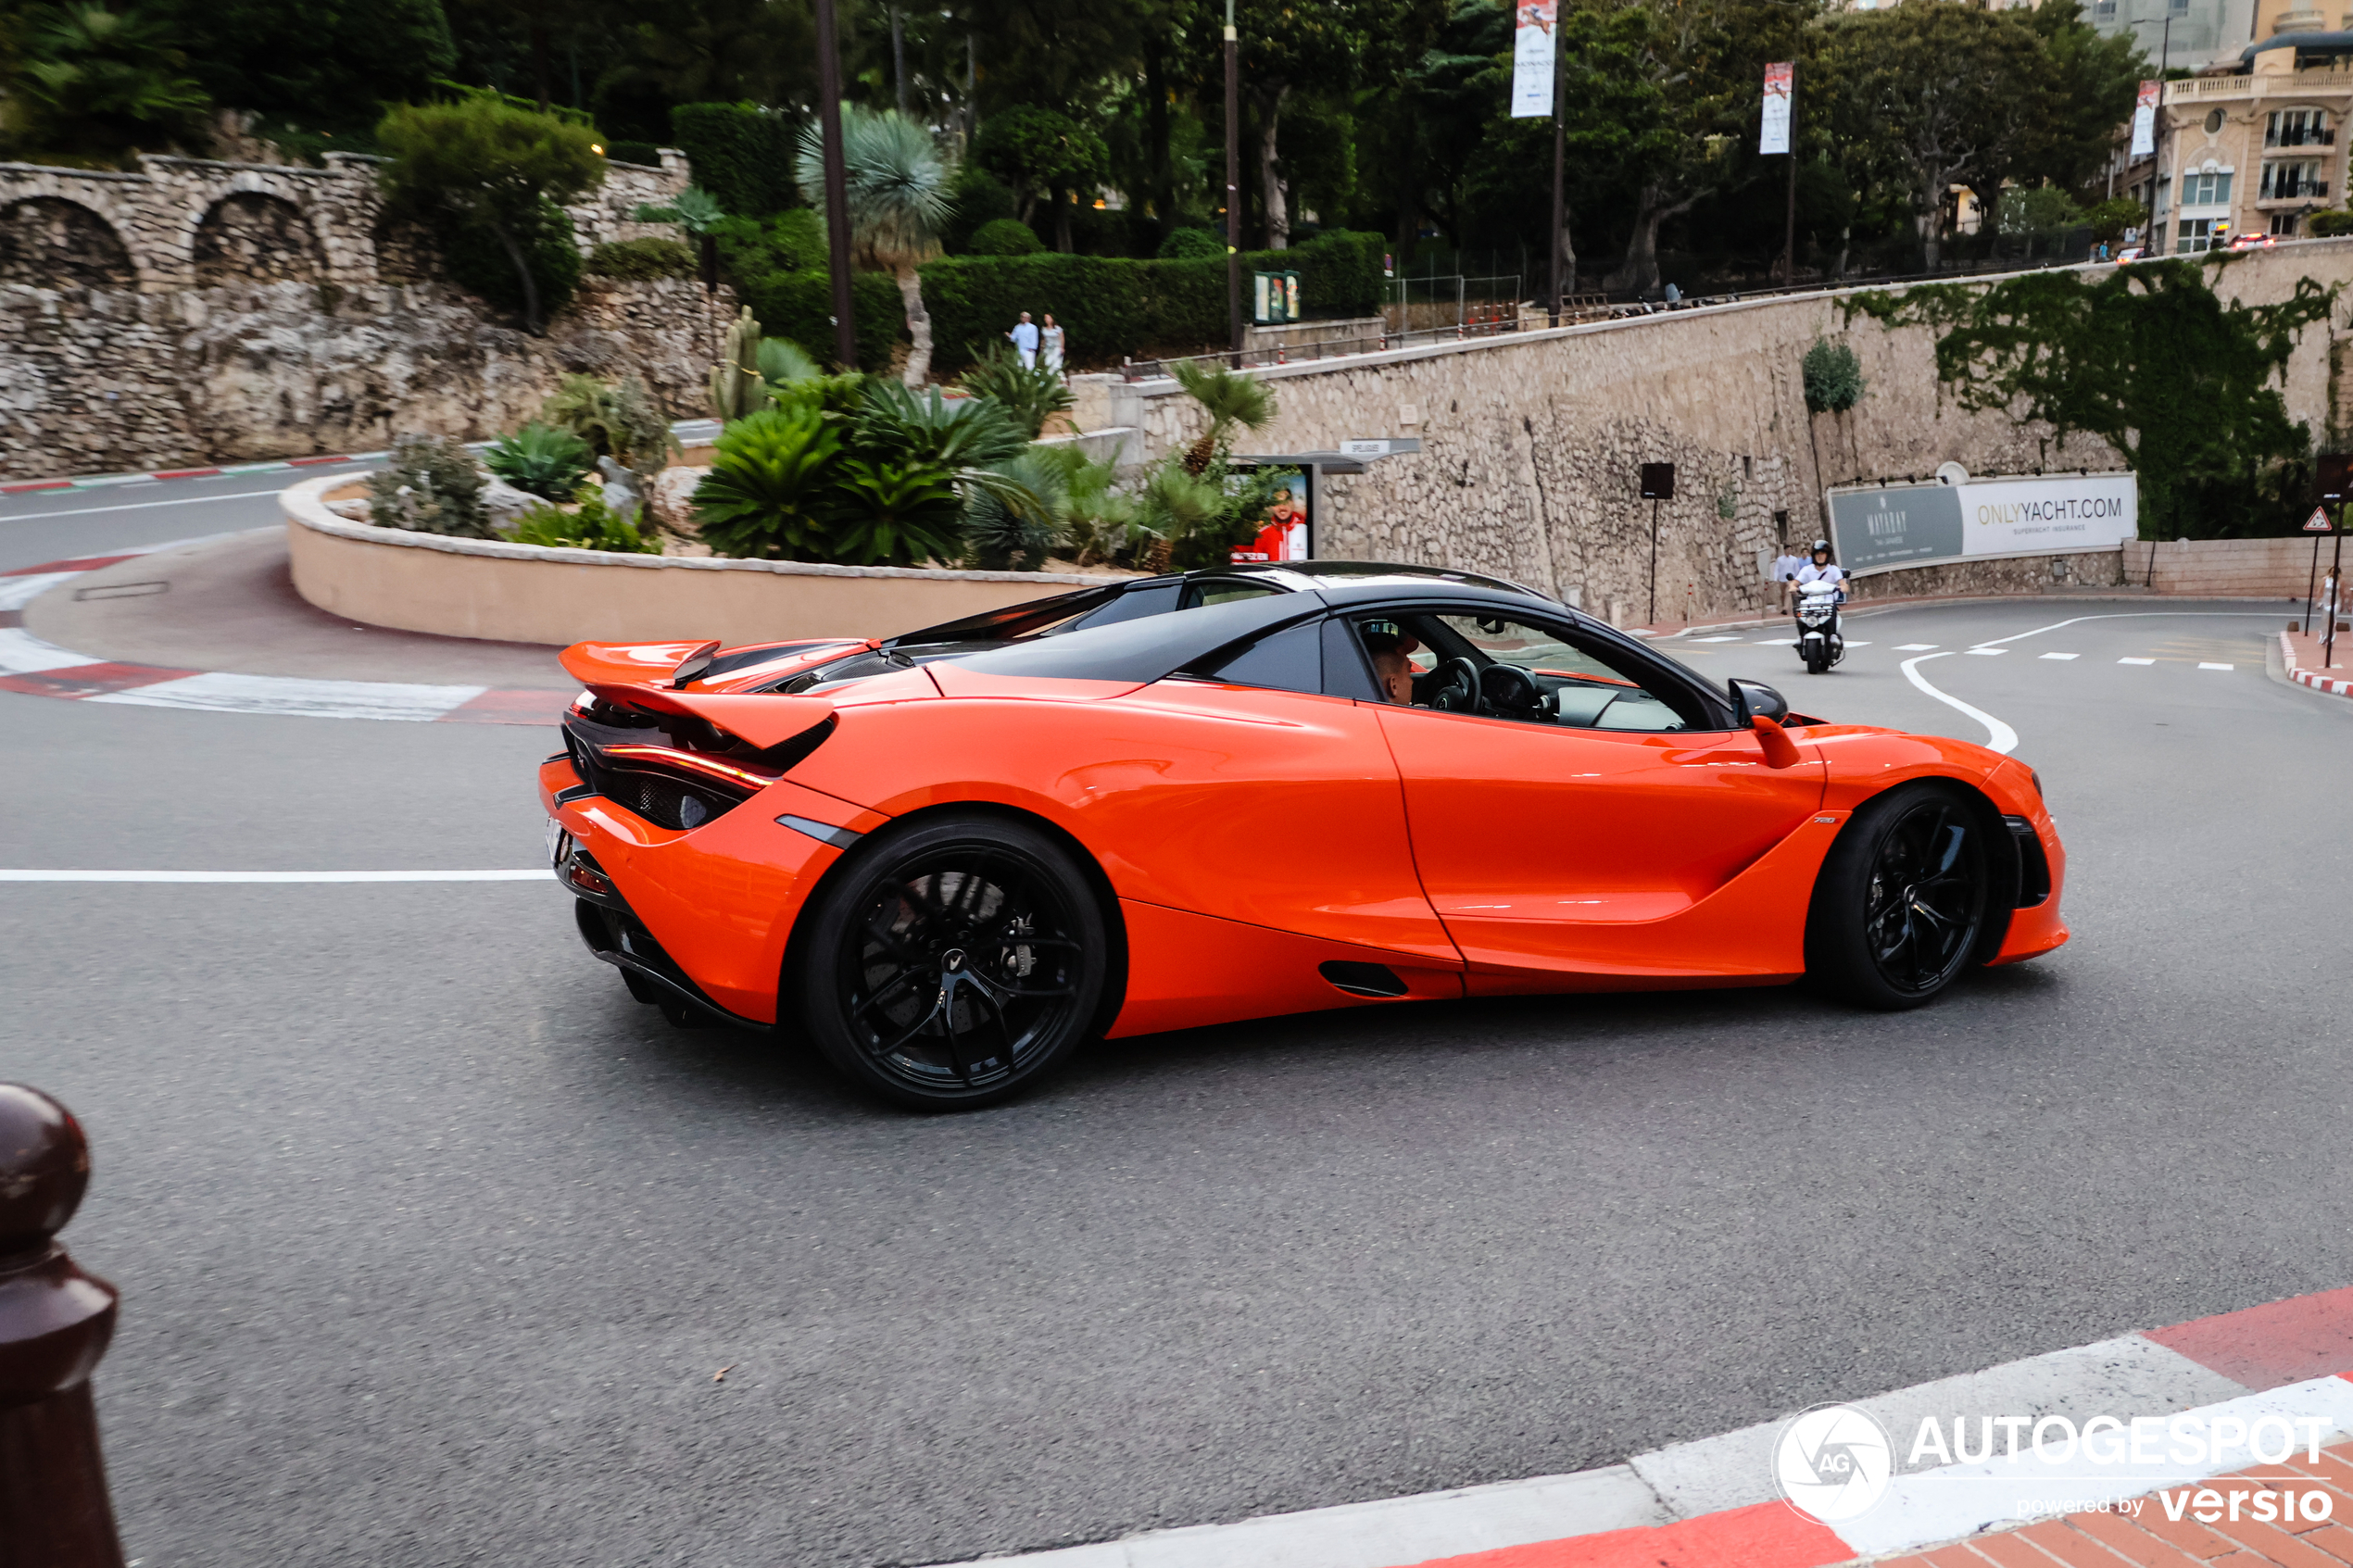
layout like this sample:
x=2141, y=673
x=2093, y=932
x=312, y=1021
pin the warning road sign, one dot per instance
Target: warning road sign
x=2317, y=522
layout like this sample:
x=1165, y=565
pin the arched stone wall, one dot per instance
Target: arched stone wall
x=252, y=237
x=49, y=242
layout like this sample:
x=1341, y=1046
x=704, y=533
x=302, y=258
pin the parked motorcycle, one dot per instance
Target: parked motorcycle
x=1820, y=642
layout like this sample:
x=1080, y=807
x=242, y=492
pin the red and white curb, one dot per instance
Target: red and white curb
x=2303, y=677
x=41, y=669
x=1714, y=1503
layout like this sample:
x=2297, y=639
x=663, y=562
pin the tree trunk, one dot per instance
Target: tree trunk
x=1063, y=202
x=523, y=270
x=911, y=294
x=1845, y=238
x=1271, y=184
x=540, y=50
x=1160, y=184
x=1639, y=273
x=1568, y=256
x=899, y=56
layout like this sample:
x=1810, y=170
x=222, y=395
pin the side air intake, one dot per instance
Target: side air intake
x=1363, y=979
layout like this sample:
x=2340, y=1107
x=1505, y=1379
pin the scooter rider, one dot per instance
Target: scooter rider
x=1821, y=569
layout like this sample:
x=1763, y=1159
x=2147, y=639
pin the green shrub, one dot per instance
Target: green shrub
x=477, y=261
x=642, y=258
x=430, y=486
x=546, y=461
x=800, y=305
x=1191, y=245
x=742, y=154
x=783, y=486
x=2110, y=218
x=2329, y=222
x=595, y=526
x=1030, y=395
x=1111, y=306
x=902, y=425
x=1011, y=533
x=1005, y=236
x=1833, y=377
x=619, y=420
x=976, y=198
x=783, y=242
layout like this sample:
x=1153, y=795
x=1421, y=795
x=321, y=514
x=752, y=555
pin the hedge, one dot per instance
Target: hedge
x=1111, y=306
x=801, y=306
x=742, y=154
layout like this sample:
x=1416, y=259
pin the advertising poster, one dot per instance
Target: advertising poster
x=1923, y=524
x=1532, y=59
x=1284, y=533
x=1773, y=134
x=2144, y=122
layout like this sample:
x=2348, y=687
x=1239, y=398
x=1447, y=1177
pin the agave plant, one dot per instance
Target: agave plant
x=1019, y=533
x=898, y=204
x=1229, y=399
x=768, y=494
x=969, y=433
x=1031, y=394
x=617, y=420
x=540, y=459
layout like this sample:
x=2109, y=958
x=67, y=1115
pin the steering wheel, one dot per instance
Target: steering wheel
x=1453, y=687
x=1509, y=691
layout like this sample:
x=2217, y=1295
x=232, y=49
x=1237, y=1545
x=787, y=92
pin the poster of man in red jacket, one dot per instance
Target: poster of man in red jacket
x=1284, y=537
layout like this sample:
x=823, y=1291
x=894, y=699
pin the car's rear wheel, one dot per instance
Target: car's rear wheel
x=950, y=962
x=1902, y=899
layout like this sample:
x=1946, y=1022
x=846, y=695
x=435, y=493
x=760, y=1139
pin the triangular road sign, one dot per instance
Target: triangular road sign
x=2317, y=522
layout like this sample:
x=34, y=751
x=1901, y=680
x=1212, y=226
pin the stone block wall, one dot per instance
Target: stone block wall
x=1531, y=444
x=2228, y=569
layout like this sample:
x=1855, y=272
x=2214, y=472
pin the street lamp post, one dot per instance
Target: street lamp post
x=836, y=186
x=2156, y=149
x=1560, y=151
x=1233, y=184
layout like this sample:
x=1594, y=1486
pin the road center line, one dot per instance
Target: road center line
x=536, y=875
x=2000, y=736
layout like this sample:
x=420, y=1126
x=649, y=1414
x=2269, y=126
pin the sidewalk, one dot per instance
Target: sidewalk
x=2301, y=652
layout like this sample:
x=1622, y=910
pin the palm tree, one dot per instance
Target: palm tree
x=1228, y=399
x=898, y=202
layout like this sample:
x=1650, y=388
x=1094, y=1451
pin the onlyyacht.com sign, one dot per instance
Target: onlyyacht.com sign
x=1901, y=525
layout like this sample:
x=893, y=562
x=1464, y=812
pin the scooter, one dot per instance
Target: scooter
x=1820, y=642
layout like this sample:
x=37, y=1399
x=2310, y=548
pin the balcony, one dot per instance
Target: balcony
x=2308, y=136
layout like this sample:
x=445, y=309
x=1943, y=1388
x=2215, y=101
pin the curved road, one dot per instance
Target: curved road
x=432, y=1242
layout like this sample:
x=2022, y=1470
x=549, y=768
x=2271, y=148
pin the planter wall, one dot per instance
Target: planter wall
x=526, y=594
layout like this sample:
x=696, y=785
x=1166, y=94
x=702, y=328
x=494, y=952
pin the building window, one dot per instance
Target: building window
x=2197, y=233
x=2298, y=127
x=2292, y=182
x=2205, y=190
x=2283, y=223
x=2103, y=11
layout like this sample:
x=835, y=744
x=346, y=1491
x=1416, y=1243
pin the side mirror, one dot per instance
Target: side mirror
x=1754, y=699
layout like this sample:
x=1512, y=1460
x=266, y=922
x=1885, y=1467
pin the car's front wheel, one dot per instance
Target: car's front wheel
x=1902, y=899
x=950, y=961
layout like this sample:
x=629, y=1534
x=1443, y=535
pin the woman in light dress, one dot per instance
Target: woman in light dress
x=1050, y=345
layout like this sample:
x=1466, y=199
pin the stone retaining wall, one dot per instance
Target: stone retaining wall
x=2228, y=569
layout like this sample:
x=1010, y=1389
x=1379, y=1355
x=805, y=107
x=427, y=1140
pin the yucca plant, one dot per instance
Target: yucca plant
x=768, y=494
x=542, y=459
x=898, y=204
x=1229, y=398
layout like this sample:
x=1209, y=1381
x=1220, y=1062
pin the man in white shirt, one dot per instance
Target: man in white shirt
x=1786, y=567
x=1025, y=336
x=1821, y=569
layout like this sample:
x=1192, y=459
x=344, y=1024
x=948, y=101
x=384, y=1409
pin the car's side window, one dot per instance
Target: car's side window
x=1288, y=660
x=1216, y=591
x=1504, y=667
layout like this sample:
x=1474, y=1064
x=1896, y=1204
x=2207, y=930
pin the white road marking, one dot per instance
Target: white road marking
x=140, y=506
x=2136, y=661
x=291, y=695
x=1986, y=652
x=1914, y=647
x=1999, y=737
x=2217, y=667
x=22, y=653
x=2139, y=615
x=2062, y=655
x=534, y=875
x=1716, y=639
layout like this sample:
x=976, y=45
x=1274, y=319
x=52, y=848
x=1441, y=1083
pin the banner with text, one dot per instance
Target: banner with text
x=1532, y=59
x=2145, y=120
x=1773, y=134
x=1925, y=524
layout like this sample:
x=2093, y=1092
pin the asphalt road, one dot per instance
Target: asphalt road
x=432, y=1242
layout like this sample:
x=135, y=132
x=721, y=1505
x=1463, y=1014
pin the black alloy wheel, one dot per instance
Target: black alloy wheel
x=1901, y=907
x=953, y=961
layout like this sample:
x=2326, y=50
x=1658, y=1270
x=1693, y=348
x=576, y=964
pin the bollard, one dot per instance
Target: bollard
x=54, y=1324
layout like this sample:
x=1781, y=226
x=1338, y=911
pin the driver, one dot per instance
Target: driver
x=1821, y=569
x=1392, y=666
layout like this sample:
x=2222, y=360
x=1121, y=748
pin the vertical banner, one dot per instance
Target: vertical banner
x=1532, y=59
x=1773, y=133
x=2145, y=120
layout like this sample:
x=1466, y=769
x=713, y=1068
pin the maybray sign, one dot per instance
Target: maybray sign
x=1901, y=525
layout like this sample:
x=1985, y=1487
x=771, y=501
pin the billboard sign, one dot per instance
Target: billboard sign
x=1532, y=52
x=1772, y=136
x=1284, y=532
x=1901, y=525
x=2145, y=120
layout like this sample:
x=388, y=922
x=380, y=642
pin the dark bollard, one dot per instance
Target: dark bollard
x=54, y=1324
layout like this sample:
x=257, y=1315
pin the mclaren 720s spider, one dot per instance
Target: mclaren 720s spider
x=949, y=858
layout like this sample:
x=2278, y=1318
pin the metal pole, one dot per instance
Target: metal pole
x=1653, y=615
x=837, y=187
x=2336, y=565
x=1234, y=183
x=898, y=54
x=1788, y=243
x=2312, y=581
x=1560, y=146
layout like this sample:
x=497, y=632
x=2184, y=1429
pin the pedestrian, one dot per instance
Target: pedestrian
x=1050, y=345
x=1786, y=567
x=1025, y=336
x=2329, y=605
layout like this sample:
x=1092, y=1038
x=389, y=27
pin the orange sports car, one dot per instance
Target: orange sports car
x=949, y=858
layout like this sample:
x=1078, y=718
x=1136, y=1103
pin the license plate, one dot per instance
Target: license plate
x=556, y=841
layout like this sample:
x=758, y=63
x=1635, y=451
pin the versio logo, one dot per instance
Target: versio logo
x=1833, y=1461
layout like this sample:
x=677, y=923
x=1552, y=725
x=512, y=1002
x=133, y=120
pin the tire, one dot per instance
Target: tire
x=1903, y=900
x=1814, y=662
x=950, y=962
